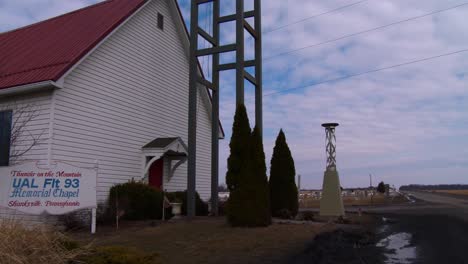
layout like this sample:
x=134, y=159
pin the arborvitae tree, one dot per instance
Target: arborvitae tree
x=248, y=203
x=283, y=190
x=258, y=184
x=381, y=187
x=237, y=165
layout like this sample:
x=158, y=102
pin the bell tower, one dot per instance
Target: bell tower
x=198, y=81
x=331, y=203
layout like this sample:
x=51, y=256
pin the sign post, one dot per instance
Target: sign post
x=93, y=221
x=93, y=210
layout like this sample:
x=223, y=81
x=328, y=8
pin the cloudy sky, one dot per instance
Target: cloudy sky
x=407, y=124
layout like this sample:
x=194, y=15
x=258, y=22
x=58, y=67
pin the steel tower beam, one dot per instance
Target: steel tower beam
x=258, y=67
x=197, y=80
x=215, y=116
x=240, y=52
x=192, y=115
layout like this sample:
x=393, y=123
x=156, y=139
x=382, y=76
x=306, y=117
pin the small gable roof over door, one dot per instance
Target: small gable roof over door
x=46, y=50
x=167, y=144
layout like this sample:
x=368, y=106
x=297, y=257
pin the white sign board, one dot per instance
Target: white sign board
x=58, y=189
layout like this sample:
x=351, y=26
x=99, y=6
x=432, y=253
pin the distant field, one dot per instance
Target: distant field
x=378, y=199
x=456, y=192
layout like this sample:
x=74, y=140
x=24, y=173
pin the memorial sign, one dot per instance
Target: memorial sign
x=58, y=189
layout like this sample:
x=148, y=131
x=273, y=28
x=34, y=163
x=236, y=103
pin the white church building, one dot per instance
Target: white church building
x=108, y=85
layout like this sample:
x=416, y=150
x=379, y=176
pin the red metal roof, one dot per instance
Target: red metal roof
x=46, y=50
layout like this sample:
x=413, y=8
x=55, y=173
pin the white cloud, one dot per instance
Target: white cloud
x=394, y=122
x=14, y=14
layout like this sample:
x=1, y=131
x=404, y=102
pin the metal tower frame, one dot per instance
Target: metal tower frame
x=330, y=144
x=196, y=81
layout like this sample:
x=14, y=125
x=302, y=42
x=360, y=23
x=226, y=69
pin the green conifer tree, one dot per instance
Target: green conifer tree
x=237, y=164
x=248, y=203
x=258, y=184
x=283, y=189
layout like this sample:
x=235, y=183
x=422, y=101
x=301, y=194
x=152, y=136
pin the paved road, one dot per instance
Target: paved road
x=425, y=204
x=437, y=224
x=438, y=227
x=440, y=199
x=440, y=205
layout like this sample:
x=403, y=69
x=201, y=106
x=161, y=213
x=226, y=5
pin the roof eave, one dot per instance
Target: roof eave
x=31, y=87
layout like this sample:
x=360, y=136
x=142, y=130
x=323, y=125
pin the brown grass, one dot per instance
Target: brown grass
x=211, y=240
x=20, y=245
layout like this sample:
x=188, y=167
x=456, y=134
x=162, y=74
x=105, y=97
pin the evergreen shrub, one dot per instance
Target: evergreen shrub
x=283, y=189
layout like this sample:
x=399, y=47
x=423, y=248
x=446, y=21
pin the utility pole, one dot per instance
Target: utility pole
x=197, y=81
x=371, y=189
x=299, y=182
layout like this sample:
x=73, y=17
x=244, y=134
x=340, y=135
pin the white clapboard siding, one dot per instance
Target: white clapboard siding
x=40, y=104
x=132, y=89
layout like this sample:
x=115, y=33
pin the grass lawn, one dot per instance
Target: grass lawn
x=211, y=240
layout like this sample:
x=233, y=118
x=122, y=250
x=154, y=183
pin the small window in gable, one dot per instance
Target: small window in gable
x=160, y=21
x=5, y=137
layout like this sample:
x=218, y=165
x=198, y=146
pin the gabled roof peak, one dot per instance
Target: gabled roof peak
x=46, y=50
x=59, y=16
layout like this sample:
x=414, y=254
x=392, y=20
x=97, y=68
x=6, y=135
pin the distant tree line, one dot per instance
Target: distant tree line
x=420, y=187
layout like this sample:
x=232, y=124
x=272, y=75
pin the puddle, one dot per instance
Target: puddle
x=410, y=198
x=383, y=229
x=400, y=251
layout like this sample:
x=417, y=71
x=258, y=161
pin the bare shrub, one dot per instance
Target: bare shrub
x=21, y=245
x=284, y=214
x=75, y=221
x=24, y=137
x=306, y=216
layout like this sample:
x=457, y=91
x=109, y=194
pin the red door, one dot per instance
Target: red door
x=156, y=174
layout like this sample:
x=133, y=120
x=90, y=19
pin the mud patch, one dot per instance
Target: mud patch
x=339, y=246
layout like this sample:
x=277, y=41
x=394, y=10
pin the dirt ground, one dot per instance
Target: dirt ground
x=437, y=225
x=342, y=247
x=211, y=240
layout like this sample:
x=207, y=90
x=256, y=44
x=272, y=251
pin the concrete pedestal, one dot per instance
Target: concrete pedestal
x=331, y=203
